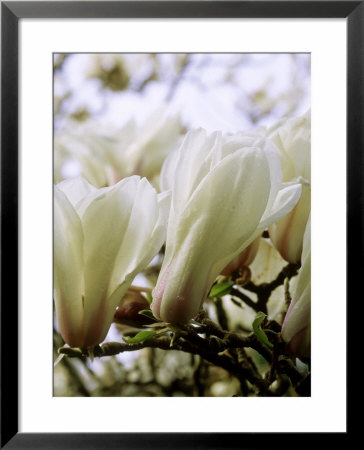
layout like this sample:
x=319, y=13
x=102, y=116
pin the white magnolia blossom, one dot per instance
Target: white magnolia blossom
x=152, y=143
x=293, y=141
x=103, y=156
x=84, y=150
x=102, y=239
x=296, y=328
x=225, y=191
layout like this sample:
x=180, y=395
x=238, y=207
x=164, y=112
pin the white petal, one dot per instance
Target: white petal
x=284, y=202
x=148, y=238
x=105, y=222
x=124, y=229
x=76, y=189
x=68, y=269
x=193, y=160
x=287, y=233
x=275, y=171
x=144, y=234
x=298, y=316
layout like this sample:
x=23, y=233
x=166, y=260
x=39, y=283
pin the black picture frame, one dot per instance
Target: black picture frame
x=11, y=12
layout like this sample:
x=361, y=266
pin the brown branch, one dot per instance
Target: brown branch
x=210, y=349
x=264, y=290
x=288, y=271
x=243, y=297
x=219, y=347
x=221, y=314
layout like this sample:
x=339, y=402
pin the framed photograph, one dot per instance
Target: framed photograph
x=156, y=179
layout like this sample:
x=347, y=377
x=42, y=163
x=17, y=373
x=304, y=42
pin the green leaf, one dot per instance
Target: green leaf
x=148, y=313
x=140, y=337
x=149, y=297
x=260, y=334
x=221, y=289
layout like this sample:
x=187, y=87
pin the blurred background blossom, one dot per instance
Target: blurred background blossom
x=227, y=92
x=116, y=115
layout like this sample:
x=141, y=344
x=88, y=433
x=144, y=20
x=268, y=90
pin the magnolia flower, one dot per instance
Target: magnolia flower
x=225, y=191
x=154, y=140
x=104, y=155
x=296, y=328
x=293, y=140
x=84, y=149
x=102, y=239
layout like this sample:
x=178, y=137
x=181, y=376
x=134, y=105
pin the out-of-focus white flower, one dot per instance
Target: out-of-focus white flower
x=102, y=239
x=83, y=150
x=104, y=155
x=293, y=140
x=157, y=137
x=224, y=193
x=296, y=328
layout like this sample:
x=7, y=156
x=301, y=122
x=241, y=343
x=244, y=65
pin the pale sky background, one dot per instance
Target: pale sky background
x=216, y=91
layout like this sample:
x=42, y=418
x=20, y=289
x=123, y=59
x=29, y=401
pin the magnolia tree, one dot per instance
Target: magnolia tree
x=190, y=251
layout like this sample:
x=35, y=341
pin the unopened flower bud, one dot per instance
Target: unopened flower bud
x=296, y=328
x=293, y=141
x=128, y=310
